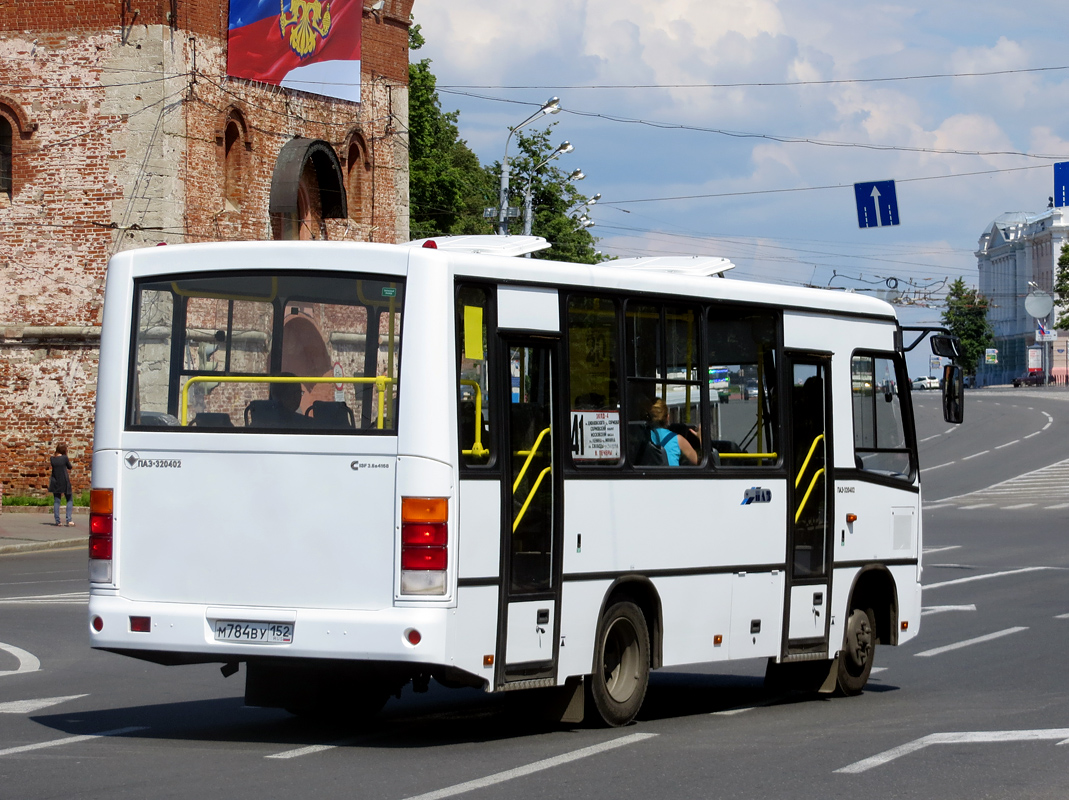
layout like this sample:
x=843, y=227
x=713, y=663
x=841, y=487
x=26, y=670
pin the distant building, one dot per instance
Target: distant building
x=1016, y=250
x=121, y=126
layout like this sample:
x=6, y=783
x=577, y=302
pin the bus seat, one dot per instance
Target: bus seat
x=212, y=419
x=263, y=414
x=331, y=414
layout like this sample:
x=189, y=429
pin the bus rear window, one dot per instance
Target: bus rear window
x=269, y=352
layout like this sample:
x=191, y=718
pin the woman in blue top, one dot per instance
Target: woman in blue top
x=676, y=447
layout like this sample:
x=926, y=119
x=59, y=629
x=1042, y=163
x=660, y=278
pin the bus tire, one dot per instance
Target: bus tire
x=621, y=664
x=859, y=648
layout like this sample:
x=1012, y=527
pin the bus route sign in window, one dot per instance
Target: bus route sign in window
x=269, y=352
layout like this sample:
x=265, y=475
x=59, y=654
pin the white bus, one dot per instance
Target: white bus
x=355, y=466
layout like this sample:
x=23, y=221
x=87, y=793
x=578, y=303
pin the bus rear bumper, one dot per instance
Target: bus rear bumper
x=176, y=633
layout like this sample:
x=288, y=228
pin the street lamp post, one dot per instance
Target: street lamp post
x=551, y=106
x=562, y=148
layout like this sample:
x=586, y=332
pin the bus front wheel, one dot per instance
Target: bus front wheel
x=621, y=664
x=859, y=647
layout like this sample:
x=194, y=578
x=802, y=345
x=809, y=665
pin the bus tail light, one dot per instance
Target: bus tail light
x=424, y=544
x=101, y=518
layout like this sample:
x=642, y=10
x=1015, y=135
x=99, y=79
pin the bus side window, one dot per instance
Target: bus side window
x=880, y=444
x=744, y=417
x=593, y=381
x=663, y=385
x=476, y=442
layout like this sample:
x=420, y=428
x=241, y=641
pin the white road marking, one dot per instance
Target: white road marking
x=976, y=455
x=74, y=598
x=29, y=706
x=67, y=740
x=941, y=549
x=964, y=737
x=984, y=577
x=27, y=661
x=1055, y=508
x=1019, y=505
x=306, y=751
x=935, y=651
x=1008, y=444
x=976, y=505
x=1062, y=616
x=929, y=438
x=938, y=466
x=730, y=712
x=927, y=610
x=537, y=766
x=874, y=670
x=1029, y=436
x=935, y=506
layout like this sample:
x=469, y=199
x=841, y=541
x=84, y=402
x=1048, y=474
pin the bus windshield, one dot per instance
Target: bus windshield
x=278, y=352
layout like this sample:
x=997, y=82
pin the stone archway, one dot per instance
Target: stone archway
x=307, y=187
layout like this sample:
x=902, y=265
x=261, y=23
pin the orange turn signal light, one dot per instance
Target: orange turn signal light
x=424, y=509
x=851, y=518
x=101, y=501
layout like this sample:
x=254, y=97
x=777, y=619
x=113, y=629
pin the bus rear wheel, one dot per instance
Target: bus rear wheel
x=859, y=648
x=621, y=664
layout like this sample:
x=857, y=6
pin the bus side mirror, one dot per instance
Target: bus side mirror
x=946, y=346
x=953, y=394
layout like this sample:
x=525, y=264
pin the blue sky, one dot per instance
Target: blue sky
x=497, y=61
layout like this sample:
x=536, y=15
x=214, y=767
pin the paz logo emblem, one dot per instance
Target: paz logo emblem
x=132, y=460
x=306, y=21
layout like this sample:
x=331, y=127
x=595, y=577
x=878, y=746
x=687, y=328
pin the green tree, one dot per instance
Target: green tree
x=448, y=188
x=1061, y=289
x=966, y=317
x=556, y=201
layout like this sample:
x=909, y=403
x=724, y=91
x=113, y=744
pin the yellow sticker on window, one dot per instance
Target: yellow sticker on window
x=473, y=333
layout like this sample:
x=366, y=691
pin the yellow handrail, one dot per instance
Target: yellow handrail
x=477, y=449
x=749, y=455
x=530, y=454
x=812, y=483
x=530, y=495
x=812, y=449
x=380, y=382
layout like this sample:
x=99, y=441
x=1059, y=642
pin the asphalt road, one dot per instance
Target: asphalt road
x=974, y=708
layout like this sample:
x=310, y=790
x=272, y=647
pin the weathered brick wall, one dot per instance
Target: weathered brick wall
x=118, y=142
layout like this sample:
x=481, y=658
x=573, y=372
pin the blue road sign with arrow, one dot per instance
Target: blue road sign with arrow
x=877, y=204
x=1061, y=184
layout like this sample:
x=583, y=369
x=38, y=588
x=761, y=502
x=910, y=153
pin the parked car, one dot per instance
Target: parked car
x=1029, y=379
x=925, y=383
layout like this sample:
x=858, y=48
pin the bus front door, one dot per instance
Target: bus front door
x=531, y=562
x=808, y=594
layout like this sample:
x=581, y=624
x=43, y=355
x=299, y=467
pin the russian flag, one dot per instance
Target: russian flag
x=311, y=45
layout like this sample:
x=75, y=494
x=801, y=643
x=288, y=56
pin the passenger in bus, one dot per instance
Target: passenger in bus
x=680, y=452
x=288, y=397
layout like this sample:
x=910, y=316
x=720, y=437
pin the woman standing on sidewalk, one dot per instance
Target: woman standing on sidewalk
x=60, y=483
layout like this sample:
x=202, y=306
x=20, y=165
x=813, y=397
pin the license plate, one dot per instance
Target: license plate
x=253, y=632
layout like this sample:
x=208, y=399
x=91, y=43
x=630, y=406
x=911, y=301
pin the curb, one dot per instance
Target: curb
x=54, y=544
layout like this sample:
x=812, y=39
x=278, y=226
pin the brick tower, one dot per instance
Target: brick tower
x=120, y=127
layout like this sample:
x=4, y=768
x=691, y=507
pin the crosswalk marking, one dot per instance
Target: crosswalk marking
x=1047, y=487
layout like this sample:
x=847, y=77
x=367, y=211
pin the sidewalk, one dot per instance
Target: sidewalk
x=22, y=532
